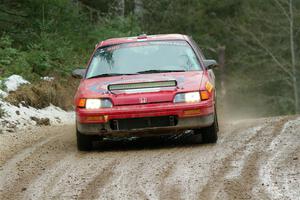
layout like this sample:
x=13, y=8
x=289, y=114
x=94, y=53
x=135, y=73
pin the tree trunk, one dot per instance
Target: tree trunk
x=121, y=7
x=138, y=8
x=293, y=58
x=221, y=61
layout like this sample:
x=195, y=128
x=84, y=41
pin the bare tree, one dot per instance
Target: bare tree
x=274, y=36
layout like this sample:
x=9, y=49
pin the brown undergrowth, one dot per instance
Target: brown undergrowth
x=59, y=92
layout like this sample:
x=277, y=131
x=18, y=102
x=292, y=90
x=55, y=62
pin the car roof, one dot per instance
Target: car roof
x=144, y=37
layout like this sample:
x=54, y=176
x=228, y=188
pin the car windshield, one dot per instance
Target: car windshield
x=143, y=57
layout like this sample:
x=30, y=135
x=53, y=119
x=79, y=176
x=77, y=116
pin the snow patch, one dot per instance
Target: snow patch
x=20, y=117
x=47, y=78
x=13, y=82
x=3, y=94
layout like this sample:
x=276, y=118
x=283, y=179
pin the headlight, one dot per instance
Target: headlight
x=97, y=103
x=189, y=97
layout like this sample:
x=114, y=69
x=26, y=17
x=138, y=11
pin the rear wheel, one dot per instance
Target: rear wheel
x=84, y=142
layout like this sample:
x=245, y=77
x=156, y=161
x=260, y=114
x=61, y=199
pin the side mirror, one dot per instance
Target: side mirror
x=210, y=64
x=78, y=73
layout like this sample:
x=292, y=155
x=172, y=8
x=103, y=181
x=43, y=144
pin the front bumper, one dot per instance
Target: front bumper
x=188, y=116
x=105, y=130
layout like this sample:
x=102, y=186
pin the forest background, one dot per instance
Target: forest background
x=257, y=42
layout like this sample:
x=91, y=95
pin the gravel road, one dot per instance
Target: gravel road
x=253, y=159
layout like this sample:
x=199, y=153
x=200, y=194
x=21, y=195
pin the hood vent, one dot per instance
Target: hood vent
x=142, y=85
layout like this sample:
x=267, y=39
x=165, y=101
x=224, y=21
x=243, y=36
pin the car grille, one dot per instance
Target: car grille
x=145, y=122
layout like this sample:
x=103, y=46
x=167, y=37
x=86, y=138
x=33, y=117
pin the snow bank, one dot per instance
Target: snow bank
x=13, y=82
x=18, y=117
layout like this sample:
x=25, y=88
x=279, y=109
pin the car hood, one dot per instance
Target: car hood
x=99, y=87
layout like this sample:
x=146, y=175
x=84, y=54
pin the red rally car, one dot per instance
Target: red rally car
x=147, y=85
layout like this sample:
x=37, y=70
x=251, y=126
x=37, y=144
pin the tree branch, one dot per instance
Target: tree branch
x=11, y=13
x=283, y=10
x=268, y=51
x=9, y=21
x=265, y=49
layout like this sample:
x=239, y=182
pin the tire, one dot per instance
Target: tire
x=206, y=135
x=84, y=142
x=195, y=138
x=210, y=133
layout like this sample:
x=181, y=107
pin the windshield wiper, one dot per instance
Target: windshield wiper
x=158, y=71
x=107, y=75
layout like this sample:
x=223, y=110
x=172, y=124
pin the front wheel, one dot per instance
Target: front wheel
x=210, y=133
x=206, y=135
x=84, y=142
